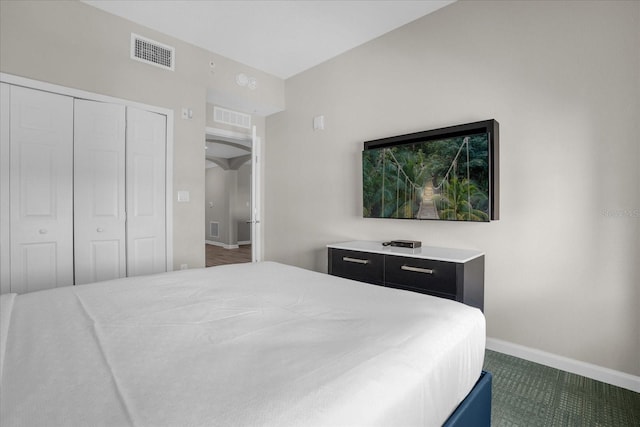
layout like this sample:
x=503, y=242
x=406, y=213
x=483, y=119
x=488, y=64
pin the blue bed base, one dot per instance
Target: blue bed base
x=475, y=409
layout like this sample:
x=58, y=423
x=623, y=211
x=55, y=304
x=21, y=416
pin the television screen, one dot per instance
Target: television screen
x=446, y=174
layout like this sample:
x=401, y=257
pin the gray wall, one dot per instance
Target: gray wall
x=75, y=45
x=230, y=193
x=216, y=192
x=562, y=78
x=242, y=210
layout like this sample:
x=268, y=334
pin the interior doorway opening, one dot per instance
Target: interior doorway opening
x=228, y=197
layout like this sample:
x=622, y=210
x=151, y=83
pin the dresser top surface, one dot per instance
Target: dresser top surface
x=426, y=252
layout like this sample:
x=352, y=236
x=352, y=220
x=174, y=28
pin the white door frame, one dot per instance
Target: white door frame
x=256, y=171
x=77, y=93
x=256, y=161
x=5, y=213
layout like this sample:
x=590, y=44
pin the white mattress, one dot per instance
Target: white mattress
x=254, y=344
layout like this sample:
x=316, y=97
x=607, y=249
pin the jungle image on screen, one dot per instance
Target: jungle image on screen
x=444, y=179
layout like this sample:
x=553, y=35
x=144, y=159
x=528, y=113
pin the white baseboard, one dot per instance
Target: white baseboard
x=598, y=373
x=222, y=245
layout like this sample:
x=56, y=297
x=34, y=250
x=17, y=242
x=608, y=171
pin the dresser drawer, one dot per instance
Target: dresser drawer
x=422, y=275
x=455, y=274
x=361, y=266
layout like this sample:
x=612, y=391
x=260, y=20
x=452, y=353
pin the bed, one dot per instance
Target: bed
x=261, y=344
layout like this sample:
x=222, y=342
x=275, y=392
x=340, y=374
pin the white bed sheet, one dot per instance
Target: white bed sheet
x=242, y=345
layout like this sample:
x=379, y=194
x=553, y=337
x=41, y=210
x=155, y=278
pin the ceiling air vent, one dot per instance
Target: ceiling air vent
x=230, y=117
x=152, y=52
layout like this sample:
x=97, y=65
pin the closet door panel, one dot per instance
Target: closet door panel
x=146, y=157
x=105, y=262
x=41, y=190
x=99, y=196
x=5, y=162
x=143, y=251
x=43, y=255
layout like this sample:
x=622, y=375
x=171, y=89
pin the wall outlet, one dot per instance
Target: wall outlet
x=184, y=266
x=187, y=113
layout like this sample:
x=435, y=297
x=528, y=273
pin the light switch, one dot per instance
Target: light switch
x=318, y=123
x=183, y=196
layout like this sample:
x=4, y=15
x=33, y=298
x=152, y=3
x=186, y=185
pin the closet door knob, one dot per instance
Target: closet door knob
x=43, y=231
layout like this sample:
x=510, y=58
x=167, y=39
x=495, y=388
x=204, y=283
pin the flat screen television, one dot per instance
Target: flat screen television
x=446, y=174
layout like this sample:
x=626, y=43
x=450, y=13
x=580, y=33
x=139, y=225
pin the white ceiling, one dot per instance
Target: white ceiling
x=282, y=38
x=225, y=147
x=215, y=149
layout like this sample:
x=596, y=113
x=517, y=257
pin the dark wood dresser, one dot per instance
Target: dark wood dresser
x=456, y=274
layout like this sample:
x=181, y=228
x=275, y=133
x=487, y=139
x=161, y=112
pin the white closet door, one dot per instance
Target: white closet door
x=146, y=153
x=5, y=162
x=99, y=193
x=41, y=186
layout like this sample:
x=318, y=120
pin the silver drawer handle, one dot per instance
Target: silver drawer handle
x=356, y=260
x=417, y=269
